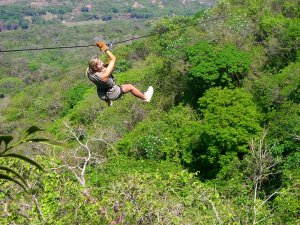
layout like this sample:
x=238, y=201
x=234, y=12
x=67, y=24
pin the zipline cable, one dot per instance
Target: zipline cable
x=93, y=45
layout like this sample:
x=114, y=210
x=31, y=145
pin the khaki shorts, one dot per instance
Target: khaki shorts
x=111, y=94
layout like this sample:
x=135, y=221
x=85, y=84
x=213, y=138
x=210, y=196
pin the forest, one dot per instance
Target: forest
x=218, y=143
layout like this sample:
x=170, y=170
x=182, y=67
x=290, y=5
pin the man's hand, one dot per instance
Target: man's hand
x=101, y=44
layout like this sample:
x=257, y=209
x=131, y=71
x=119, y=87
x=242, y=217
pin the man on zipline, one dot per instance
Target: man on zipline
x=101, y=75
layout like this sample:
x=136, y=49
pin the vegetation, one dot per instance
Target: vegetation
x=218, y=144
x=6, y=153
x=25, y=14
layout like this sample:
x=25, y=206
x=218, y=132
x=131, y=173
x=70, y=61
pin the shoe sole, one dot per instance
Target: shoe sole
x=151, y=94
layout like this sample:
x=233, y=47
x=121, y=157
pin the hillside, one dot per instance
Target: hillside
x=24, y=14
x=218, y=143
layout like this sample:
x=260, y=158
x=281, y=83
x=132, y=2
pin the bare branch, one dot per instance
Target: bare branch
x=38, y=208
x=203, y=196
x=82, y=161
x=264, y=202
x=262, y=164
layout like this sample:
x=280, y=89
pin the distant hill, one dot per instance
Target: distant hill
x=20, y=14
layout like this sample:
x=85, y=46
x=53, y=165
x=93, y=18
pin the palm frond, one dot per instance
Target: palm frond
x=23, y=158
x=15, y=173
x=6, y=177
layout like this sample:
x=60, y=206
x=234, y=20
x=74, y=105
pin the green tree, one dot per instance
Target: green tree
x=276, y=26
x=283, y=43
x=284, y=129
x=272, y=91
x=229, y=120
x=278, y=97
x=286, y=204
x=212, y=65
x=172, y=137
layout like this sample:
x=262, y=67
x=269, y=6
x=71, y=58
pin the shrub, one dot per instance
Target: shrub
x=106, y=17
x=73, y=96
x=159, y=198
x=10, y=83
x=172, y=137
x=32, y=66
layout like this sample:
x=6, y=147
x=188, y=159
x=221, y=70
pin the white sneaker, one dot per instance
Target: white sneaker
x=148, y=94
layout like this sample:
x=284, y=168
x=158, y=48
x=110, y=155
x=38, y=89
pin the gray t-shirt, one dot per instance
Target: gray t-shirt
x=97, y=80
x=106, y=90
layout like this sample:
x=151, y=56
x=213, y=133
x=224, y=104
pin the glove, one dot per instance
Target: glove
x=101, y=44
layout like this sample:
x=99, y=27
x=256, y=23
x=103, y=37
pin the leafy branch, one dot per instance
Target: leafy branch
x=9, y=174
